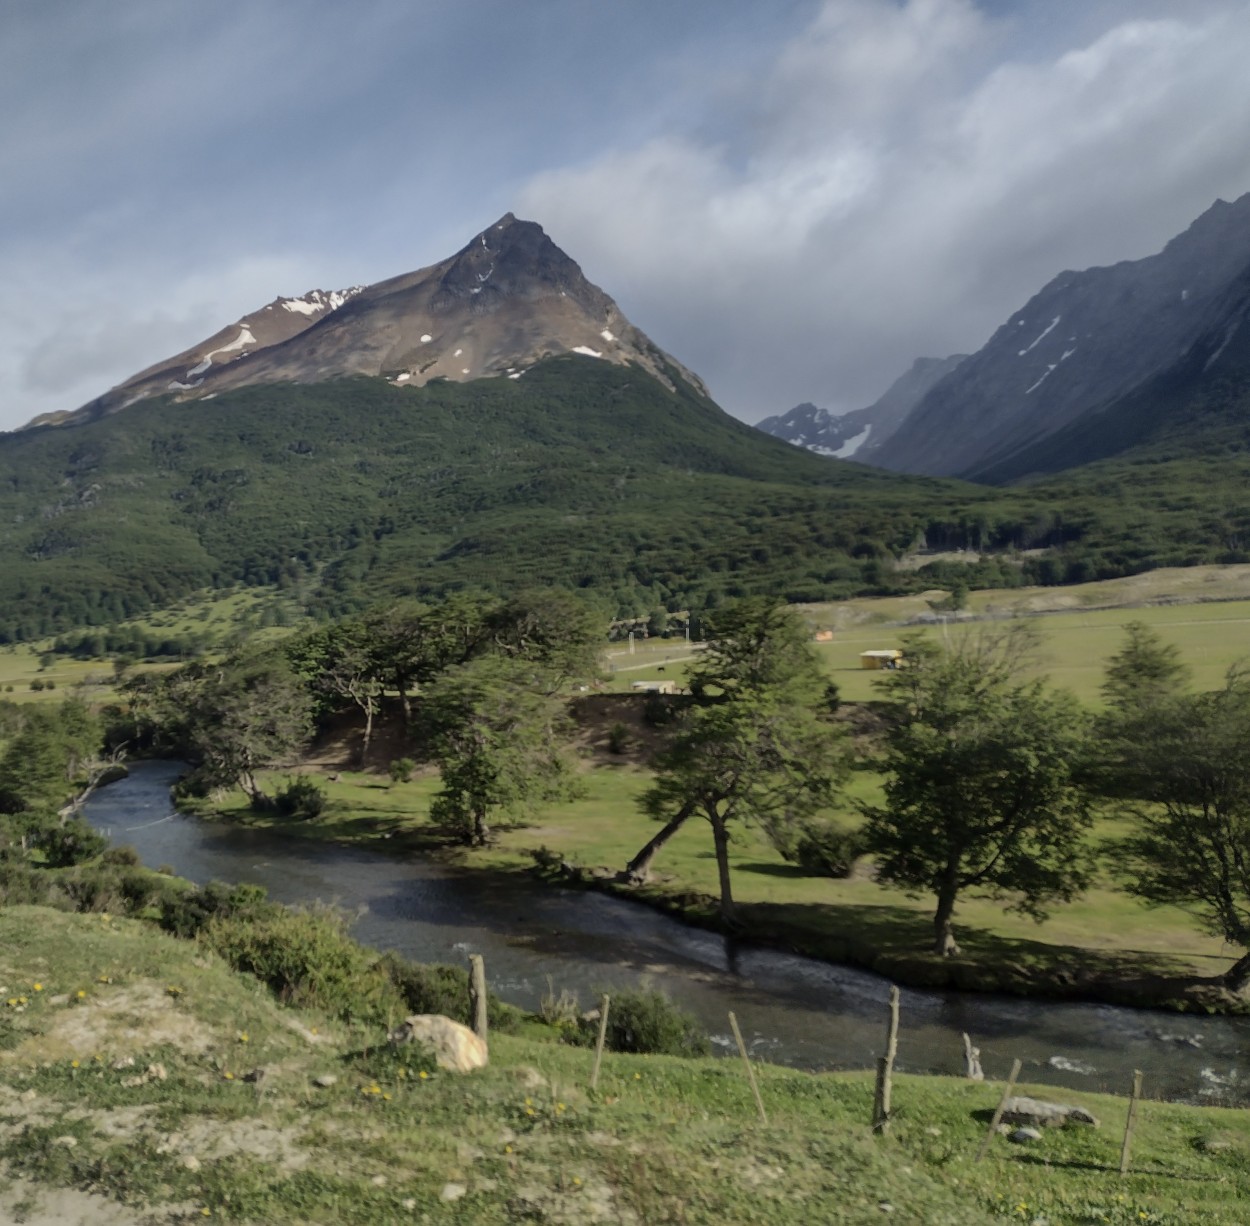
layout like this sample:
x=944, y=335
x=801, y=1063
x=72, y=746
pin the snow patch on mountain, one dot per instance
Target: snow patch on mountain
x=1054, y=323
x=587, y=351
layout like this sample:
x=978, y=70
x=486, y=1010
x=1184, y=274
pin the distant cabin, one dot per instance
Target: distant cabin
x=887, y=657
x=824, y=636
x=654, y=687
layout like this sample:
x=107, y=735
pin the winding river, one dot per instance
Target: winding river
x=793, y=1010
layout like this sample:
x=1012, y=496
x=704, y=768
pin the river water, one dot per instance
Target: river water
x=793, y=1010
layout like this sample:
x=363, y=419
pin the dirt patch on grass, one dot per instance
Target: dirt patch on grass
x=31, y=1205
x=138, y=1018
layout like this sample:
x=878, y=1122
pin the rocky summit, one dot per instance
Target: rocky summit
x=509, y=298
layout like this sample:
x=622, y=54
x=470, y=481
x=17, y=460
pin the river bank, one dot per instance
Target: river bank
x=1105, y=948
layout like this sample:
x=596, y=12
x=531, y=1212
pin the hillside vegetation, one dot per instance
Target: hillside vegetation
x=580, y=473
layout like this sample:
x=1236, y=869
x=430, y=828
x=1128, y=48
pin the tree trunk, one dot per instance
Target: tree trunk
x=481, y=831
x=1237, y=977
x=943, y=937
x=367, y=707
x=638, y=870
x=720, y=836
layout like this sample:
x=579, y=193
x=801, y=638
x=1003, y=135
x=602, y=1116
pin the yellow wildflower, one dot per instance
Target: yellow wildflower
x=228, y=1076
x=73, y=1064
x=81, y=994
x=423, y=1075
x=38, y=987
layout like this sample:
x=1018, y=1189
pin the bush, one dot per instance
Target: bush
x=648, y=1022
x=618, y=738
x=302, y=798
x=307, y=959
x=186, y=914
x=401, y=770
x=69, y=843
x=828, y=851
x=124, y=855
x=437, y=988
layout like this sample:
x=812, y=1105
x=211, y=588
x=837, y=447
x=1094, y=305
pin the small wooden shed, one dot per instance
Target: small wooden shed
x=886, y=657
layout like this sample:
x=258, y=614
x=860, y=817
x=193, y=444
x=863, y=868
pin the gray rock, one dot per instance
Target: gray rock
x=1022, y=1136
x=1037, y=1113
x=452, y=1191
x=325, y=1081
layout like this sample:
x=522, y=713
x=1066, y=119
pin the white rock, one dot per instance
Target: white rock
x=452, y=1191
x=66, y=1142
x=190, y=1163
x=325, y=1081
x=455, y=1047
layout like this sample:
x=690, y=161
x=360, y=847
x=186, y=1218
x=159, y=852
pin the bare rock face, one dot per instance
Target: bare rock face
x=1037, y=1113
x=506, y=300
x=456, y=1048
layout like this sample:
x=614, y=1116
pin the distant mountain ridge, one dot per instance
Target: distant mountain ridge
x=861, y=434
x=509, y=298
x=1086, y=341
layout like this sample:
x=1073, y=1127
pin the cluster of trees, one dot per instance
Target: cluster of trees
x=479, y=681
x=992, y=779
x=51, y=761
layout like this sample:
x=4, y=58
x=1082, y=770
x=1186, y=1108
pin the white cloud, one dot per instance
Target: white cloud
x=897, y=184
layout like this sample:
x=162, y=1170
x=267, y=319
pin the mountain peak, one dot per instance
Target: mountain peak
x=507, y=299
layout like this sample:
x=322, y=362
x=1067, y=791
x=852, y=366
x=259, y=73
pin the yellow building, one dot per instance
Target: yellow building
x=888, y=657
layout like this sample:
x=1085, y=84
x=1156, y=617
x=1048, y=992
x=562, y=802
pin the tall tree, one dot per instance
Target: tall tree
x=755, y=745
x=243, y=716
x=496, y=735
x=1181, y=769
x=1144, y=672
x=982, y=789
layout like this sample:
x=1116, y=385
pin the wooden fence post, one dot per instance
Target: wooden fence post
x=885, y=1070
x=1129, y=1121
x=477, y=995
x=998, y=1111
x=603, y=1034
x=742, y=1048
x=972, y=1061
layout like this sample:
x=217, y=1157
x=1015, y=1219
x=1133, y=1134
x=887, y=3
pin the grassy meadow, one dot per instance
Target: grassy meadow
x=141, y=1079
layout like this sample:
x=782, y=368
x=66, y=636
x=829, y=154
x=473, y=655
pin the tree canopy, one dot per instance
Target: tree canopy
x=982, y=787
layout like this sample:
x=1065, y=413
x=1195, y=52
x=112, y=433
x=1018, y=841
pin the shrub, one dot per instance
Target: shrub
x=124, y=855
x=37, y=684
x=618, y=738
x=401, y=770
x=186, y=914
x=648, y=1022
x=302, y=798
x=437, y=988
x=307, y=959
x=828, y=851
x=69, y=843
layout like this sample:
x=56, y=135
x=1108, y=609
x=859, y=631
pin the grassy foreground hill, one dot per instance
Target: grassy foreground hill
x=122, y=1077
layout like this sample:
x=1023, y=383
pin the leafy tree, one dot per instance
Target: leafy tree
x=982, y=790
x=49, y=759
x=1143, y=672
x=496, y=734
x=349, y=671
x=1182, y=763
x=552, y=630
x=412, y=641
x=242, y=717
x=754, y=745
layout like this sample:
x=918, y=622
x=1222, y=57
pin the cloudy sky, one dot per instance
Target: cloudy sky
x=795, y=197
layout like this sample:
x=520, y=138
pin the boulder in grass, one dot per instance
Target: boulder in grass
x=1037, y=1113
x=455, y=1047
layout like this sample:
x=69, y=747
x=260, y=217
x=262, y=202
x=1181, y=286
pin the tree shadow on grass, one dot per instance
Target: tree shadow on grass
x=768, y=869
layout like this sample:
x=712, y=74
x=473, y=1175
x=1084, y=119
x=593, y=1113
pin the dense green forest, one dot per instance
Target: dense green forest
x=580, y=474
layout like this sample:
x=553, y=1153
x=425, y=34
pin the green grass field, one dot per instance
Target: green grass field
x=121, y=1098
